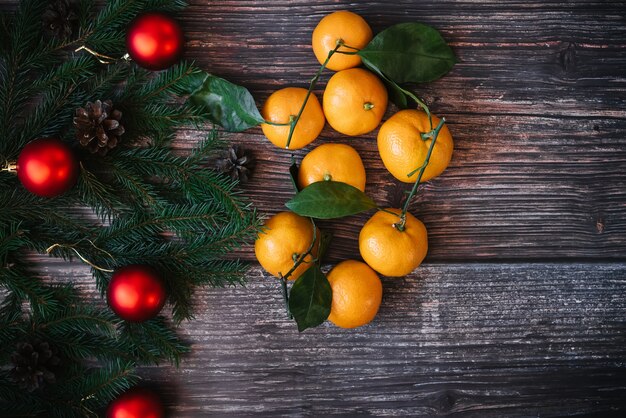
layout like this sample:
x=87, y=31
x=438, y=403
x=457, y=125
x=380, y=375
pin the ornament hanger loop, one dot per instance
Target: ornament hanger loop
x=10, y=167
x=103, y=59
x=72, y=247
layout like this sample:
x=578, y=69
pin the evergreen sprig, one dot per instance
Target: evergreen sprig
x=141, y=203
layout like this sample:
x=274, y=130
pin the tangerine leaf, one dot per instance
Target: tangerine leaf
x=325, y=240
x=293, y=176
x=226, y=104
x=396, y=94
x=310, y=298
x=409, y=53
x=330, y=199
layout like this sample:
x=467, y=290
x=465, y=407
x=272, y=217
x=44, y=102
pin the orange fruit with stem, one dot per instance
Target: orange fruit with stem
x=390, y=248
x=336, y=162
x=357, y=294
x=285, y=239
x=283, y=106
x=341, y=26
x=403, y=149
x=355, y=101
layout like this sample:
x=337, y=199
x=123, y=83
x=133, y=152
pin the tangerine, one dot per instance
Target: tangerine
x=357, y=294
x=337, y=162
x=286, y=237
x=355, y=101
x=403, y=150
x=392, y=250
x=341, y=26
x=282, y=107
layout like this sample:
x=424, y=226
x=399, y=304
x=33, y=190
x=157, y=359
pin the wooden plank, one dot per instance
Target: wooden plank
x=480, y=340
x=536, y=107
x=518, y=187
x=537, y=58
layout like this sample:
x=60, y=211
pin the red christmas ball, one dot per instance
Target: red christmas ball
x=47, y=167
x=136, y=293
x=136, y=403
x=155, y=41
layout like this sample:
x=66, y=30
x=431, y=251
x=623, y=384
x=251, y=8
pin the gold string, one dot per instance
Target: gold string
x=103, y=59
x=71, y=247
x=10, y=167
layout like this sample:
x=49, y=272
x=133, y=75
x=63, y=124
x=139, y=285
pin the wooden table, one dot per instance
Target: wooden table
x=520, y=307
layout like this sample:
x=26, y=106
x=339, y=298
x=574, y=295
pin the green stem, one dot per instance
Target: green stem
x=276, y=123
x=302, y=256
x=401, y=224
x=294, y=122
x=349, y=47
x=285, y=295
x=418, y=101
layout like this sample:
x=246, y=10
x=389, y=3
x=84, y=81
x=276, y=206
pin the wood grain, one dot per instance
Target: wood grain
x=537, y=107
x=478, y=340
x=520, y=309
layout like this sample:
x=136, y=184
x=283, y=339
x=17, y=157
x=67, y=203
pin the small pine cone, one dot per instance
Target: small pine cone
x=98, y=126
x=237, y=162
x=60, y=19
x=34, y=364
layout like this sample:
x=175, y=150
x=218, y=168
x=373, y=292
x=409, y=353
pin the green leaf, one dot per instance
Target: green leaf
x=330, y=199
x=396, y=93
x=409, y=53
x=325, y=241
x=227, y=104
x=310, y=298
x=293, y=175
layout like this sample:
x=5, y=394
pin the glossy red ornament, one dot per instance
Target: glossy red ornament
x=47, y=167
x=154, y=41
x=136, y=293
x=136, y=403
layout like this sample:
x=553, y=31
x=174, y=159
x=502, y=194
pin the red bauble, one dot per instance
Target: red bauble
x=136, y=403
x=47, y=167
x=155, y=41
x=136, y=293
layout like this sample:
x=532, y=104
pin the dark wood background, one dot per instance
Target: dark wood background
x=520, y=306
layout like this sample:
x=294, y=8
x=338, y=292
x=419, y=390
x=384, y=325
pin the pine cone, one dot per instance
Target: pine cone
x=237, y=162
x=98, y=126
x=60, y=19
x=34, y=364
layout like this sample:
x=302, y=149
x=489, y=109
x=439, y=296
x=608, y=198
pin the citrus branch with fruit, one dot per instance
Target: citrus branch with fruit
x=414, y=146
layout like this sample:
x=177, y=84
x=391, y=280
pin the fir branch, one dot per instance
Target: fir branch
x=216, y=273
x=16, y=402
x=24, y=37
x=79, y=319
x=160, y=209
x=106, y=81
x=230, y=235
x=26, y=287
x=85, y=14
x=75, y=71
x=10, y=328
x=169, y=81
x=50, y=116
x=179, y=218
x=153, y=341
x=26, y=29
x=115, y=15
x=98, y=195
x=105, y=384
x=142, y=194
x=5, y=38
x=11, y=239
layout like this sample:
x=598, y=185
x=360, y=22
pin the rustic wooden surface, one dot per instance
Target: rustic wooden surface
x=520, y=308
